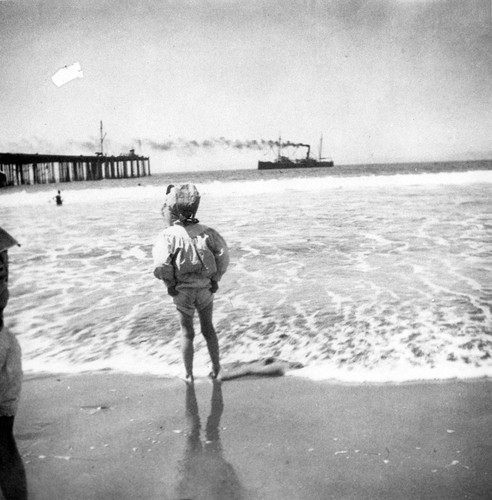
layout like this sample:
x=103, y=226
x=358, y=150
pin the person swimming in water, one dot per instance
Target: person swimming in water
x=58, y=199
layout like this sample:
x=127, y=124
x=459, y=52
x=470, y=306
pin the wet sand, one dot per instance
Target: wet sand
x=118, y=436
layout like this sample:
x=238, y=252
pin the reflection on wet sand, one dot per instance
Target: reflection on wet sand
x=203, y=473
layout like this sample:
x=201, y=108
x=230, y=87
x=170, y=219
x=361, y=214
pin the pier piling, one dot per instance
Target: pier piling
x=18, y=168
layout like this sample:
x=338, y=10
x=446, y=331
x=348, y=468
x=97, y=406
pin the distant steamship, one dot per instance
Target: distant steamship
x=285, y=162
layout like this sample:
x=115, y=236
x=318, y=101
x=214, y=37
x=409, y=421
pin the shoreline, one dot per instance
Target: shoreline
x=277, y=372
x=113, y=435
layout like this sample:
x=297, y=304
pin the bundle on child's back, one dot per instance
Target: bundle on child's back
x=188, y=254
x=181, y=203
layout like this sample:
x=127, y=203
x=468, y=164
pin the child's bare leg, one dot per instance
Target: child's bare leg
x=208, y=332
x=187, y=336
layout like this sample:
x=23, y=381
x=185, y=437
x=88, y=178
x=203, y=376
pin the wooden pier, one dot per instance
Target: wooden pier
x=17, y=169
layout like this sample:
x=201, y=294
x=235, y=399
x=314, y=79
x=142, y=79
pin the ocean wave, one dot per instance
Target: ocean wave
x=360, y=282
x=141, y=364
x=146, y=190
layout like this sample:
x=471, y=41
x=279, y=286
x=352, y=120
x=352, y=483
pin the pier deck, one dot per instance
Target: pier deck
x=18, y=168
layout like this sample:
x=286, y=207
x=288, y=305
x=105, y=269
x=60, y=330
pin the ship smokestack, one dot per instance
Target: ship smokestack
x=305, y=146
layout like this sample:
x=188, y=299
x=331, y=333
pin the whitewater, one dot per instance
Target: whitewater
x=359, y=278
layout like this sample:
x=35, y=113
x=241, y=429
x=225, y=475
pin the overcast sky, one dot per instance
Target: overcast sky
x=382, y=80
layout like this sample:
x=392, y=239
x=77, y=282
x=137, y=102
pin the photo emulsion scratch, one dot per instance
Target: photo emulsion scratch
x=67, y=74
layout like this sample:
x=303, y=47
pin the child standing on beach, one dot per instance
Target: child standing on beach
x=12, y=473
x=191, y=258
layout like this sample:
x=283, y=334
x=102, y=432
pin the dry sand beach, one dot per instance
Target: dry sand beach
x=119, y=436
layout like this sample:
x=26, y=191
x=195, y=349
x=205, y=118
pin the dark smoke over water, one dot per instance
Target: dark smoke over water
x=221, y=142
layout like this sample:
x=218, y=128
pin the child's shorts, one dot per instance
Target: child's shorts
x=190, y=298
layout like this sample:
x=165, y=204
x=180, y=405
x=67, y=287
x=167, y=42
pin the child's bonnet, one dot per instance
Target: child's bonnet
x=181, y=204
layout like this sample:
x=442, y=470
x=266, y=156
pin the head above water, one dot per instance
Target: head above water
x=181, y=204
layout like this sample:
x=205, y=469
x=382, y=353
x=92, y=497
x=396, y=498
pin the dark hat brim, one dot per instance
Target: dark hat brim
x=7, y=241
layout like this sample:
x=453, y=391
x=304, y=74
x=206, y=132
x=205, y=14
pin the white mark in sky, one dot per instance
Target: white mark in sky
x=67, y=74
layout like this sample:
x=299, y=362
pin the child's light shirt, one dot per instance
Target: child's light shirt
x=190, y=256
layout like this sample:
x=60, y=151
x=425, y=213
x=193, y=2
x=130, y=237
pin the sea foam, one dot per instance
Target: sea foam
x=359, y=279
x=105, y=193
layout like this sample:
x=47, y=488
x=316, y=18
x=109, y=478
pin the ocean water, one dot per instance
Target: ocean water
x=376, y=273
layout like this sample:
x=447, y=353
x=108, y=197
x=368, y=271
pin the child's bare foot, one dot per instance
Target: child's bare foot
x=215, y=374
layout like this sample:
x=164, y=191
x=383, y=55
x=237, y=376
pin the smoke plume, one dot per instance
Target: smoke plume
x=192, y=146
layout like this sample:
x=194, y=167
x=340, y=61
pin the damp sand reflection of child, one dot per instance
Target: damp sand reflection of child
x=12, y=473
x=203, y=472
